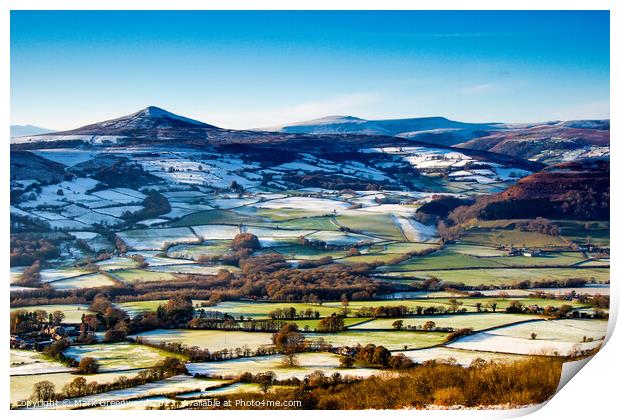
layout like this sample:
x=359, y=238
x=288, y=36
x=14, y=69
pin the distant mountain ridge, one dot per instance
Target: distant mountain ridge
x=444, y=131
x=28, y=130
x=549, y=142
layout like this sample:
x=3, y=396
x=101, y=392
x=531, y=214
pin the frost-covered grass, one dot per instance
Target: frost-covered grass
x=461, y=357
x=25, y=362
x=381, y=225
x=120, y=195
x=341, y=238
x=147, y=239
x=119, y=356
x=303, y=252
x=21, y=386
x=136, y=275
x=54, y=274
x=119, y=210
x=478, y=250
x=209, y=339
x=558, y=330
x=393, y=340
x=175, y=384
x=116, y=263
x=269, y=237
x=188, y=269
x=134, y=308
x=320, y=205
x=504, y=276
x=476, y=321
x=516, y=345
x=73, y=313
x=214, y=232
x=554, y=336
x=307, y=363
x=82, y=282
x=192, y=252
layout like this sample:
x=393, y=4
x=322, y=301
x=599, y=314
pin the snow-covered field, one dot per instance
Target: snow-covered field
x=328, y=363
x=557, y=336
x=24, y=362
x=147, y=239
x=319, y=205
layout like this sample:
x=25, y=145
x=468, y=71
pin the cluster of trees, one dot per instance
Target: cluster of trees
x=245, y=241
x=197, y=354
x=438, y=208
x=116, y=171
x=525, y=382
x=516, y=307
x=454, y=306
x=109, y=318
x=540, y=225
x=46, y=391
x=28, y=248
x=154, y=204
x=334, y=182
x=289, y=341
x=262, y=277
x=375, y=356
x=32, y=321
x=292, y=313
x=597, y=300
x=178, y=310
x=332, y=323
x=31, y=276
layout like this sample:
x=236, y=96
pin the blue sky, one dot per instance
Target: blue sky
x=258, y=69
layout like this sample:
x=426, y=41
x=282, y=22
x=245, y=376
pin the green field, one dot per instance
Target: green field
x=214, y=217
x=207, y=248
x=147, y=305
x=313, y=223
x=507, y=277
x=312, y=324
x=475, y=321
x=597, y=232
x=213, y=340
x=307, y=363
x=73, y=313
x=137, y=275
x=393, y=340
x=493, y=236
x=83, y=282
x=378, y=225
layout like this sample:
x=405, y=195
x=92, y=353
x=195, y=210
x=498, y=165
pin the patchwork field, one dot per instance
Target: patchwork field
x=552, y=337
x=119, y=356
x=474, y=321
x=21, y=386
x=328, y=363
x=24, y=362
x=73, y=313
x=503, y=276
x=359, y=217
x=212, y=340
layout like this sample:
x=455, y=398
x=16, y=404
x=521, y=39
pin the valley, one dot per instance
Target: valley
x=165, y=261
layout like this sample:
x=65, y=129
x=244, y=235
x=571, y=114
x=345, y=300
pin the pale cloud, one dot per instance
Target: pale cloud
x=347, y=104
